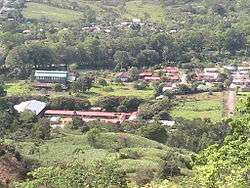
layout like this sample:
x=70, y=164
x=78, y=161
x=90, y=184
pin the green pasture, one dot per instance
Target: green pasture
x=18, y=88
x=39, y=11
x=132, y=9
x=145, y=11
x=119, y=90
x=200, y=106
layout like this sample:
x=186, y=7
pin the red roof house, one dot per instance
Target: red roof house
x=145, y=74
x=111, y=117
x=171, y=69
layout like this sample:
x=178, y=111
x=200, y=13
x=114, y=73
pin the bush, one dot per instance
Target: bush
x=69, y=103
x=155, y=132
x=57, y=88
x=130, y=154
x=102, y=82
x=108, y=89
x=140, y=85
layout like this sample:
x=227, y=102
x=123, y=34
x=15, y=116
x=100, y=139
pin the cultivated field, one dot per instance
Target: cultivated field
x=132, y=9
x=41, y=11
x=200, y=106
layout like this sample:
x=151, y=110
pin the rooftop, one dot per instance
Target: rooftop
x=45, y=73
x=34, y=106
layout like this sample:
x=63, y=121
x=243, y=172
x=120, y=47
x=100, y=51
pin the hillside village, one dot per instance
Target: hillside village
x=173, y=80
x=124, y=94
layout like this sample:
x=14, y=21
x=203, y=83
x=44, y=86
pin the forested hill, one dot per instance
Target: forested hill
x=99, y=34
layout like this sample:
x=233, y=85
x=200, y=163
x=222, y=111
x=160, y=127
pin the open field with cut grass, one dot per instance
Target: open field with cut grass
x=200, y=106
x=39, y=11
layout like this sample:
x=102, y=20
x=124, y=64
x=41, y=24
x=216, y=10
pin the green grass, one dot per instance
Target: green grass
x=119, y=90
x=63, y=150
x=142, y=10
x=201, y=106
x=18, y=88
x=133, y=9
x=38, y=11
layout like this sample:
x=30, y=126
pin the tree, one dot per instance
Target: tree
x=66, y=36
x=226, y=164
x=219, y=9
x=41, y=129
x=148, y=111
x=3, y=92
x=82, y=84
x=78, y=123
x=131, y=104
x=69, y=103
x=102, y=82
x=140, y=85
x=122, y=60
x=133, y=74
x=109, y=103
x=57, y=87
x=92, y=137
x=147, y=58
x=235, y=40
x=154, y=132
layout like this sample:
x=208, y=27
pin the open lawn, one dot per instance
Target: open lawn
x=18, y=88
x=39, y=11
x=200, y=106
x=119, y=90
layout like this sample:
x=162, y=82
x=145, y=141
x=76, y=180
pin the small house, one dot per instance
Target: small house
x=145, y=74
x=208, y=77
x=122, y=76
x=172, y=70
x=211, y=70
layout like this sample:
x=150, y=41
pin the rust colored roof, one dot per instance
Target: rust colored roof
x=143, y=74
x=171, y=69
x=85, y=113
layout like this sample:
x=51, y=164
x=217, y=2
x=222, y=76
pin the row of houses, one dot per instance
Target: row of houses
x=171, y=74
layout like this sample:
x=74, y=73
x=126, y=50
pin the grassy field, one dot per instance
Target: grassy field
x=64, y=150
x=38, y=11
x=132, y=9
x=200, y=106
x=119, y=90
x=18, y=88
x=140, y=9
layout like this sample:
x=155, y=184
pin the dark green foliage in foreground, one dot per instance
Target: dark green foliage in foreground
x=99, y=174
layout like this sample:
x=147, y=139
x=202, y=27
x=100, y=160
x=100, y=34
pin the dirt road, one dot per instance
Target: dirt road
x=229, y=103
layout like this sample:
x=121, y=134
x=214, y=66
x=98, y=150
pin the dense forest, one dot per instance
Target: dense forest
x=95, y=40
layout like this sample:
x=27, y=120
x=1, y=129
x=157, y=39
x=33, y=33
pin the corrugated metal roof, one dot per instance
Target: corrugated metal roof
x=34, y=106
x=45, y=73
x=85, y=113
